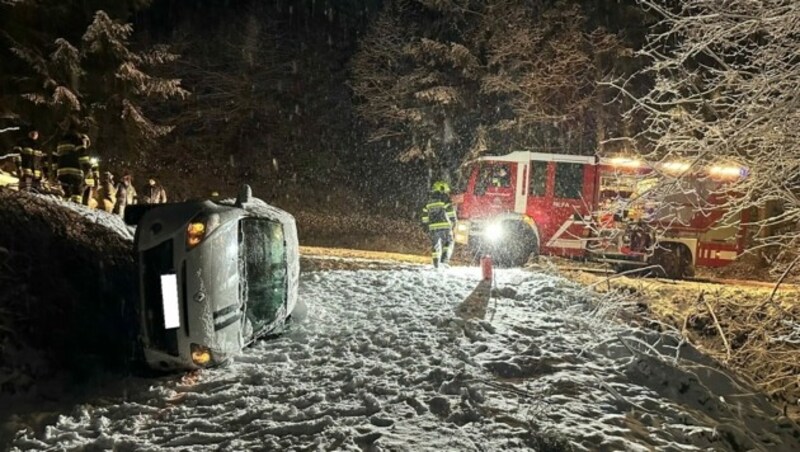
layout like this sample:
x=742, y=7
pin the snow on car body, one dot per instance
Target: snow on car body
x=528, y=202
x=214, y=276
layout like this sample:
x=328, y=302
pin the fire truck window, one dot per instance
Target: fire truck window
x=569, y=180
x=538, y=183
x=460, y=186
x=501, y=176
x=484, y=177
x=493, y=176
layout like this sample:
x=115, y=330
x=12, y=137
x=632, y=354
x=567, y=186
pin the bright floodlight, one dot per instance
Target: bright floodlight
x=493, y=232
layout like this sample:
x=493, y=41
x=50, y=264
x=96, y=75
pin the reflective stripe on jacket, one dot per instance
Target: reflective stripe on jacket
x=439, y=212
x=31, y=159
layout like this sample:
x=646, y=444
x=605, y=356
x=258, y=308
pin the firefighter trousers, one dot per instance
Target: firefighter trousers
x=73, y=187
x=29, y=182
x=442, y=245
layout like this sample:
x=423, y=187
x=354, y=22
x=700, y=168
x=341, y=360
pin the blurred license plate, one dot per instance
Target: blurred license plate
x=169, y=300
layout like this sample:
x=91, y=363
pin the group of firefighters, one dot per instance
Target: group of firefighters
x=79, y=180
x=74, y=174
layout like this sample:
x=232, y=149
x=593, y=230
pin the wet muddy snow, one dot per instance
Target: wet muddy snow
x=412, y=358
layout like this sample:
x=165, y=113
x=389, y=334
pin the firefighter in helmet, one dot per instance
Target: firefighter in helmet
x=439, y=218
x=71, y=158
x=31, y=161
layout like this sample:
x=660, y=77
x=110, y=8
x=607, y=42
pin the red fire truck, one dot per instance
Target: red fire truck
x=526, y=203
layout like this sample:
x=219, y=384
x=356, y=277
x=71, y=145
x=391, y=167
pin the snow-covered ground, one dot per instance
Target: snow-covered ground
x=411, y=358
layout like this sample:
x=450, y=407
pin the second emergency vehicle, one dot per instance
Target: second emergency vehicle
x=526, y=203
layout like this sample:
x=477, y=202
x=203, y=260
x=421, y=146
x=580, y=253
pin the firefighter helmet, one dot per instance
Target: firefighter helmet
x=441, y=186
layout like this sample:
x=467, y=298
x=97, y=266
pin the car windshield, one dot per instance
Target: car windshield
x=262, y=255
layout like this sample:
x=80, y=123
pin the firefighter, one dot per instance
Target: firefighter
x=91, y=182
x=126, y=195
x=30, y=162
x=153, y=193
x=439, y=218
x=71, y=158
x=106, y=193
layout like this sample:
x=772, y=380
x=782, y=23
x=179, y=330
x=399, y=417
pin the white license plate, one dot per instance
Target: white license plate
x=169, y=300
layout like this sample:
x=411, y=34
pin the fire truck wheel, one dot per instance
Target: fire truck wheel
x=520, y=243
x=673, y=261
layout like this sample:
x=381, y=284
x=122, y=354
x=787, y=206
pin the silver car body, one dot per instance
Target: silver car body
x=214, y=309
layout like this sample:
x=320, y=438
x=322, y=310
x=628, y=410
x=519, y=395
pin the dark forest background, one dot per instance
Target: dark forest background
x=309, y=99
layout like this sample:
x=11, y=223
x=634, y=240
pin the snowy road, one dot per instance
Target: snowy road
x=410, y=358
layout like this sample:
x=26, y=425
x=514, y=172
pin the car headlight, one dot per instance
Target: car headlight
x=201, y=355
x=494, y=232
x=199, y=228
x=195, y=233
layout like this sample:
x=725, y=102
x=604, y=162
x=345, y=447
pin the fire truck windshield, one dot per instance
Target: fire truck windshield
x=493, y=176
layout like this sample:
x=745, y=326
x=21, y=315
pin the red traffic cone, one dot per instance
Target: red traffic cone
x=486, y=267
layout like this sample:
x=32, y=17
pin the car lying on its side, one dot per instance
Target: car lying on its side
x=213, y=277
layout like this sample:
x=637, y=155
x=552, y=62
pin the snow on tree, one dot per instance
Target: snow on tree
x=445, y=81
x=725, y=89
x=100, y=83
x=418, y=89
x=545, y=67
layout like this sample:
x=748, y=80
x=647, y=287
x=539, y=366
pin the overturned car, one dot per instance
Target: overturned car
x=213, y=277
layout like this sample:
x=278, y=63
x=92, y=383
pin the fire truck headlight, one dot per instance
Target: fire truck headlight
x=462, y=227
x=727, y=171
x=494, y=232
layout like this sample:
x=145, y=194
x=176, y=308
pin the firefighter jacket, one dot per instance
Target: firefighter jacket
x=31, y=159
x=154, y=194
x=126, y=196
x=106, y=195
x=72, y=157
x=439, y=212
